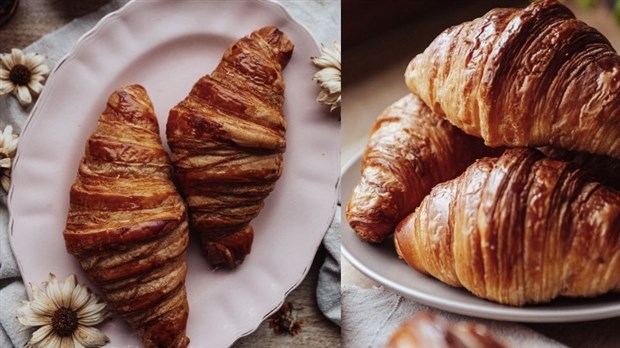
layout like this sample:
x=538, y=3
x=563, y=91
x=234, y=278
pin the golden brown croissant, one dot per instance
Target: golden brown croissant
x=525, y=77
x=517, y=229
x=603, y=169
x=409, y=151
x=127, y=224
x=427, y=330
x=227, y=142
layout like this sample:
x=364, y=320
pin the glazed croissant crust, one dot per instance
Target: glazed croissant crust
x=227, y=142
x=517, y=229
x=525, y=77
x=409, y=151
x=127, y=225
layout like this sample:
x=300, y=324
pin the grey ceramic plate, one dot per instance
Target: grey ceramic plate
x=381, y=264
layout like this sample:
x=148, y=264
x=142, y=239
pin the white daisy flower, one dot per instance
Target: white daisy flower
x=64, y=315
x=8, y=145
x=329, y=77
x=22, y=74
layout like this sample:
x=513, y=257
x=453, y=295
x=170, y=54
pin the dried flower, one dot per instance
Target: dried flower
x=22, y=74
x=64, y=314
x=285, y=321
x=8, y=145
x=329, y=77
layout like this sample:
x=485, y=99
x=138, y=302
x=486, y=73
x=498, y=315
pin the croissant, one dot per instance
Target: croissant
x=427, y=330
x=517, y=229
x=603, y=169
x=525, y=77
x=409, y=151
x=227, y=141
x=127, y=225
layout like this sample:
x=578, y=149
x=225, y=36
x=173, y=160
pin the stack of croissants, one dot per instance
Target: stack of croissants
x=500, y=172
x=127, y=223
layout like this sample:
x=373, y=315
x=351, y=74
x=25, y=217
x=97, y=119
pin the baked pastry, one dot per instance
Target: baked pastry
x=603, y=169
x=410, y=150
x=525, y=77
x=427, y=330
x=517, y=229
x=127, y=225
x=227, y=141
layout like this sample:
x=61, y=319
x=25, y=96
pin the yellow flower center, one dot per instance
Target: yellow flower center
x=64, y=321
x=20, y=75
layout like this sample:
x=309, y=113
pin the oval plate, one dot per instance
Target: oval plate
x=380, y=263
x=166, y=46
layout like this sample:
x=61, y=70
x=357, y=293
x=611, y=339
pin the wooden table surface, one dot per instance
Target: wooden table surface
x=373, y=79
x=35, y=18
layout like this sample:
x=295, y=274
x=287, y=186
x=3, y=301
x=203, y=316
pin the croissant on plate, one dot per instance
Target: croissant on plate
x=409, y=151
x=428, y=330
x=603, y=169
x=127, y=225
x=517, y=229
x=525, y=77
x=227, y=142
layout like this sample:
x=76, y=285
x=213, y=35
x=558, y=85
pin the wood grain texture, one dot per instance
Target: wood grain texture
x=35, y=18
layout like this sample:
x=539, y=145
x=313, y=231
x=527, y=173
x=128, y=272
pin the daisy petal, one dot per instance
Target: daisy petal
x=23, y=95
x=40, y=335
x=79, y=297
x=90, y=337
x=5, y=181
x=66, y=342
x=18, y=56
x=39, y=295
x=52, y=341
x=7, y=60
x=41, y=70
x=37, y=77
x=27, y=317
x=91, y=309
x=35, y=86
x=33, y=60
x=67, y=289
x=5, y=163
x=6, y=87
x=7, y=132
x=92, y=319
x=53, y=290
x=4, y=73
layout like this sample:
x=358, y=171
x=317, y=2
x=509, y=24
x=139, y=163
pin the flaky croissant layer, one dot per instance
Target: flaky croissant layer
x=525, y=77
x=517, y=229
x=410, y=150
x=127, y=225
x=227, y=142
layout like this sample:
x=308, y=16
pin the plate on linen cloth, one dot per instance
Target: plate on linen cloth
x=166, y=46
x=381, y=264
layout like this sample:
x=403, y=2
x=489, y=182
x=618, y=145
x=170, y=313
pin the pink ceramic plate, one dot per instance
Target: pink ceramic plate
x=166, y=46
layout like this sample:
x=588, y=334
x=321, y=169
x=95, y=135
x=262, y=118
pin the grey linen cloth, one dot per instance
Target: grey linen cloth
x=320, y=17
x=328, y=287
x=370, y=316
